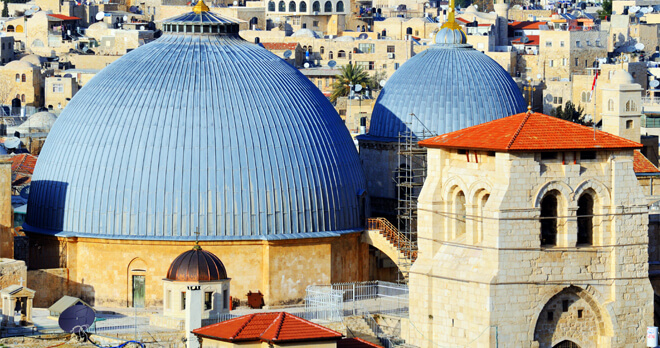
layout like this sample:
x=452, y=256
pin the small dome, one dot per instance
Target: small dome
x=33, y=59
x=305, y=33
x=19, y=65
x=197, y=265
x=450, y=36
x=622, y=77
x=345, y=39
x=42, y=121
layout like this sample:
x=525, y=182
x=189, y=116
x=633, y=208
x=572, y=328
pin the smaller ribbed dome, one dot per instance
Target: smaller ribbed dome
x=451, y=35
x=197, y=265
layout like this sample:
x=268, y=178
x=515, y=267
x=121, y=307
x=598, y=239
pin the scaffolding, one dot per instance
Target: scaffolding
x=410, y=177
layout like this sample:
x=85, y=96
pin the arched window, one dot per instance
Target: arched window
x=304, y=48
x=630, y=105
x=281, y=6
x=585, y=96
x=327, y=6
x=302, y=7
x=610, y=105
x=10, y=28
x=23, y=98
x=292, y=6
x=23, y=78
x=18, y=77
x=322, y=50
x=341, y=54
x=585, y=223
x=340, y=6
x=316, y=6
x=330, y=55
x=271, y=6
x=19, y=28
x=459, y=213
x=549, y=219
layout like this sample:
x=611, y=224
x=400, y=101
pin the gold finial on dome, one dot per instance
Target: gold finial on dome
x=201, y=7
x=451, y=17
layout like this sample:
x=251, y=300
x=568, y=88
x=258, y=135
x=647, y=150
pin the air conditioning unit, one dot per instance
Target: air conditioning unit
x=390, y=55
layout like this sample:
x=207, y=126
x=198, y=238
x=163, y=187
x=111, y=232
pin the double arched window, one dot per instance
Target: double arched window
x=630, y=106
x=327, y=6
x=302, y=7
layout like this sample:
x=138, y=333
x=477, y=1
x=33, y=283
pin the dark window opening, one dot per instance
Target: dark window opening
x=588, y=155
x=585, y=219
x=208, y=300
x=550, y=316
x=579, y=313
x=549, y=155
x=564, y=305
x=549, y=220
x=461, y=151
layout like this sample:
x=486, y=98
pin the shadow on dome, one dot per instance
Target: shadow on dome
x=52, y=201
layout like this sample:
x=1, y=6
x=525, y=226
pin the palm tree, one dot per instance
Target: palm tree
x=349, y=75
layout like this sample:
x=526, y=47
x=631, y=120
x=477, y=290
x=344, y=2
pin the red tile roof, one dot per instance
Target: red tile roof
x=280, y=45
x=463, y=20
x=63, y=17
x=533, y=40
x=530, y=132
x=356, y=343
x=268, y=327
x=526, y=25
x=641, y=164
x=22, y=167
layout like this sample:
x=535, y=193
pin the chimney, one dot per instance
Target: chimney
x=193, y=314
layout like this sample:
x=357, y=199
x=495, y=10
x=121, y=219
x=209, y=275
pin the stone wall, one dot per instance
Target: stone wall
x=51, y=285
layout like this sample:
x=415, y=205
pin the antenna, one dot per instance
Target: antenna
x=76, y=319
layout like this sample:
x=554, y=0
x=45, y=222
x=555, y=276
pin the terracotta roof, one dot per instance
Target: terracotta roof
x=530, y=132
x=463, y=20
x=63, y=17
x=268, y=327
x=533, y=40
x=356, y=343
x=22, y=167
x=280, y=45
x=641, y=164
x=526, y=25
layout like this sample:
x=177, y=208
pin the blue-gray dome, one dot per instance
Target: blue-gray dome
x=448, y=87
x=198, y=131
x=450, y=36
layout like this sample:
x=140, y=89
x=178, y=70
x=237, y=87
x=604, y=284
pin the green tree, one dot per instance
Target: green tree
x=349, y=75
x=606, y=11
x=5, y=10
x=374, y=80
x=569, y=113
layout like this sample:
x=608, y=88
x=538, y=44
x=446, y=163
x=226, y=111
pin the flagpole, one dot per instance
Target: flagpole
x=593, y=96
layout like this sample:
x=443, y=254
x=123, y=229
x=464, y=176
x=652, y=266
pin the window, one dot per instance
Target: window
x=548, y=155
x=550, y=316
x=588, y=42
x=577, y=61
x=340, y=6
x=549, y=219
x=396, y=66
x=610, y=105
x=330, y=55
x=168, y=299
x=585, y=96
x=271, y=6
x=316, y=6
x=629, y=124
x=23, y=98
x=588, y=155
x=363, y=65
x=281, y=6
x=558, y=100
x=630, y=106
x=10, y=28
x=372, y=65
x=585, y=219
x=327, y=7
x=23, y=78
x=341, y=54
x=551, y=63
x=327, y=82
x=564, y=305
x=315, y=24
x=319, y=83
x=459, y=213
x=597, y=43
x=225, y=299
x=183, y=300
x=578, y=43
x=295, y=20
x=548, y=44
x=390, y=49
x=208, y=300
x=564, y=61
x=18, y=78
x=586, y=63
x=302, y=7
x=322, y=50
x=561, y=43
x=366, y=48
x=58, y=88
x=384, y=66
x=292, y=6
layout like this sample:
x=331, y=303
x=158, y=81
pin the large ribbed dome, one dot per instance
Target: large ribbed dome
x=198, y=131
x=448, y=87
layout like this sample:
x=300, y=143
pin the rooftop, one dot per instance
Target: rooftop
x=280, y=45
x=530, y=132
x=59, y=17
x=274, y=327
x=526, y=25
x=641, y=164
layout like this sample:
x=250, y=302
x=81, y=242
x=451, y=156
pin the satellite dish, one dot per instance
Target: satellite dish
x=99, y=16
x=34, y=8
x=626, y=59
x=142, y=27
x=67, y=75
x=524, y=39
x=382, y=83
x=125, y=18
x=85, y=49
x=25, y=191
x=633, y=9
x=76, y=318
x=363, y=36
x=654, y=83
x=357, y=88
x=538, y=76
x=235, y=3
x=602, y=60
x=12, y=143
x=332, y=64
x=287, y=54
x=306, y=65
x=639, y=14
x=549, y=98
x=133, y=9
x=29, y=13
x=639, y=46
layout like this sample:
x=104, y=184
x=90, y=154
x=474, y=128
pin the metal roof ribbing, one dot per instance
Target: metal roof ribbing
x=203, y=17
x=197, y=131
x=447, y=87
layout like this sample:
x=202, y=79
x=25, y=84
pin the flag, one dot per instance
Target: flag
x=593, y=86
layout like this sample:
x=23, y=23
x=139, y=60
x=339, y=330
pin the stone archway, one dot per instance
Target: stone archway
x=571, y=318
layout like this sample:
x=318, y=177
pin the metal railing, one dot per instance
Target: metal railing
x=650, y=100
x=398, y=239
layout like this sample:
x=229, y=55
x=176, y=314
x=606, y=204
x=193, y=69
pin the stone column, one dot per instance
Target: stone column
x=28, y=309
